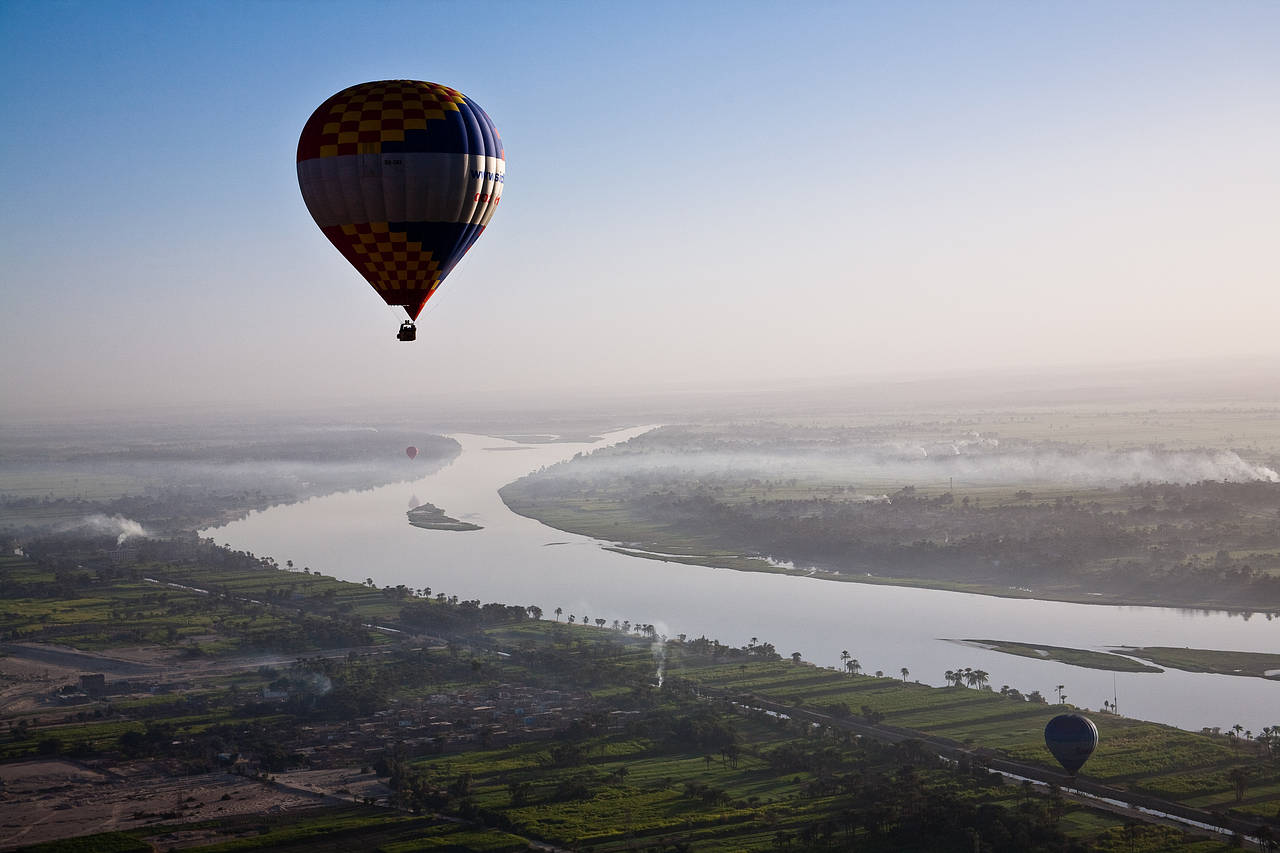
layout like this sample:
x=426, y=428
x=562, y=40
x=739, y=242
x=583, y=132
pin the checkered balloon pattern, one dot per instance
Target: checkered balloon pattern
x=402, y=176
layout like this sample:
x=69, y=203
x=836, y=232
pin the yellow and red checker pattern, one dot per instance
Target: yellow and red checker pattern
x=401, y=271
x=361, y=118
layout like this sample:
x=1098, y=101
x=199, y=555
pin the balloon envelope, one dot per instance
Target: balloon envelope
x=1071, y=738
x=411, y=451
x=402, y=176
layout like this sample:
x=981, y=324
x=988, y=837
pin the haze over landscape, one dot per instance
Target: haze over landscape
x=856, y=417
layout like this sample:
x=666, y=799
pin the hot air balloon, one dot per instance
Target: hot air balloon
x=403, y=177
x=1071, y=738
x=411, y=452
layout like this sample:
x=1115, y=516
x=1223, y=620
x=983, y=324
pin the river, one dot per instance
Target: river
x=364, y=534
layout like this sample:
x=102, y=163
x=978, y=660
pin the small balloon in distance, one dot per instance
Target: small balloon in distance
x=411, y=451
x=1071, y=738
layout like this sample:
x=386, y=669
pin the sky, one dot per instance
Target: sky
x=697, y=193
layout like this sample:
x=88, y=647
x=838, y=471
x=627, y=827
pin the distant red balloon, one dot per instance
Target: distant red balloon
x=411, y=451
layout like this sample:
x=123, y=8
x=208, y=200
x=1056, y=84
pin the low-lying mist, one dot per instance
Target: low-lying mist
x=973, y=460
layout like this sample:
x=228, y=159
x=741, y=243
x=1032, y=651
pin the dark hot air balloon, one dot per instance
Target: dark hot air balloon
x=1071, y=738
x=411, y=451
x=402, y=176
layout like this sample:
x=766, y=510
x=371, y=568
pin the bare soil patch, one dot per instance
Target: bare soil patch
x=48, y=800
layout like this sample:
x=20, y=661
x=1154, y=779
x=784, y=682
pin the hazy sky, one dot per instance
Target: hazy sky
x=697, y=192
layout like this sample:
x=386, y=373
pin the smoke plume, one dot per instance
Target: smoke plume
x=119, y=526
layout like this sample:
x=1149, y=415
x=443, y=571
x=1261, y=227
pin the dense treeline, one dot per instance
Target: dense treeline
x=1209, y=541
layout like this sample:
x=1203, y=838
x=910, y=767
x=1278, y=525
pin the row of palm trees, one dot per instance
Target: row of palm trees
x=853, y=666
x=624, y=626
x=968, y=676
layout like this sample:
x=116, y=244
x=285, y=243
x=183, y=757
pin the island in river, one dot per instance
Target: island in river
x=431, y=517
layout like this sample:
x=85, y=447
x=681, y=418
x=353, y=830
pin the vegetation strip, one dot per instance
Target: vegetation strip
x=1210, y=660
x=1075, y=657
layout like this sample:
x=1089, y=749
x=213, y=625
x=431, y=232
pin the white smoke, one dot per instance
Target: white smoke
x=659, y=648
x=123, y=528
x=1092, y=467
x=973, y=459
x=318, y=683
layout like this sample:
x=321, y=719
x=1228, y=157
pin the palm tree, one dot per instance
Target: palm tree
x=559, y=610
x=1240, y=777
x=1061, y=696
x=905, y=672
x=950, y=676
x=1269, y=738
x=853, y=666
x=976, y=678
x=844, y=657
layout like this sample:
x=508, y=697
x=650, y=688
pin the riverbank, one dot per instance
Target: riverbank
x=356, y=535
x=934, y=505
x=648, y=541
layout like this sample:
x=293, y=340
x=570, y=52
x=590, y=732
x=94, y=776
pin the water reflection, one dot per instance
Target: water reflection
x=354, y=535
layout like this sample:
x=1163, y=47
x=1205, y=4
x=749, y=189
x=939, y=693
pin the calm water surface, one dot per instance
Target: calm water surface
x=516, y=560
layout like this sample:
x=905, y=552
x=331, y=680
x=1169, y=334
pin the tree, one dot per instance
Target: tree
x=795, y=657
x=534, y=611
x=905, y=672
x=559, y=610
x=844, y=657
x=1240, y=778
x=1062, y=697
x=853, y=666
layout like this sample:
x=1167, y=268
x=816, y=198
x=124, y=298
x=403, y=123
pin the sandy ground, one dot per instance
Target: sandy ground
x=29, y=672
x=48, y=800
